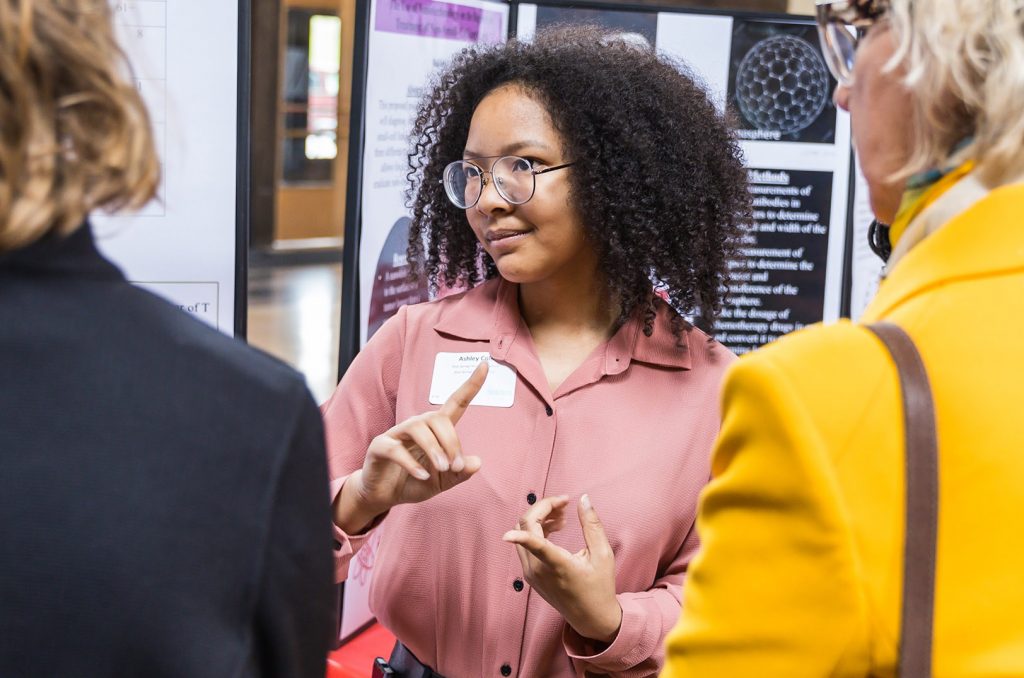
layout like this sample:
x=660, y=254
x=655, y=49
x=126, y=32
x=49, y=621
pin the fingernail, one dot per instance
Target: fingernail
x=508, y=536
x=422, y=474
x=585, y=502
x=458, y=465
x=442, y=463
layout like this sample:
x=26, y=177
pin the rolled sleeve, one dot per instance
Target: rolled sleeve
x=346, y=546
x=633, y=651
x=638, y=649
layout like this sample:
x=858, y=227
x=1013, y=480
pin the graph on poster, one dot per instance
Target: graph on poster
x=182, y=245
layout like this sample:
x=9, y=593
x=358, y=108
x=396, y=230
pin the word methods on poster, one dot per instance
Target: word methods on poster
x=778, y=283
x=770, y=73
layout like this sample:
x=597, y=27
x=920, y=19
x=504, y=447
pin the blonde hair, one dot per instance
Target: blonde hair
x=74, y=133
x=964, y=62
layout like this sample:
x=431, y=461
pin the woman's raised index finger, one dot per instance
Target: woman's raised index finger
x=459, y=401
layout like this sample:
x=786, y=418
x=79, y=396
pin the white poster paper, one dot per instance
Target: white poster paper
x=184, y=60
x=867, y=267
x=702, y=42
x=410, y=40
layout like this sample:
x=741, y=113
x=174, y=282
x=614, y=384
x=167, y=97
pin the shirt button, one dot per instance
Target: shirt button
x=518, y=585
x=531, y=499
x=506, y=670
x=547, y=408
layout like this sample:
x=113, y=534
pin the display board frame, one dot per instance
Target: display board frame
x=243, y=170
x=349, y=334
x=350, y=298
x=654, y=9
x=189, y=244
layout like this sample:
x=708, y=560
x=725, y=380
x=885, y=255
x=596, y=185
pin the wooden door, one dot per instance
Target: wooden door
x=316, y=50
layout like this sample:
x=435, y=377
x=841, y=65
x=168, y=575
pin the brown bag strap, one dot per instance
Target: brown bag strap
x=922, y=516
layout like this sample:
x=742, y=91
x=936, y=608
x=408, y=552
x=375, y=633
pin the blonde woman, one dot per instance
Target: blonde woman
x=163, y=488
x=801, y=572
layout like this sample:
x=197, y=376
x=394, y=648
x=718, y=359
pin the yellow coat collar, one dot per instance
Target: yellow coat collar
x=986, y=238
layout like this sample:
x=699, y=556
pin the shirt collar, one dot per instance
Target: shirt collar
x=984, y=239
x=924, y=192
x=490, y=312
x=74, y=254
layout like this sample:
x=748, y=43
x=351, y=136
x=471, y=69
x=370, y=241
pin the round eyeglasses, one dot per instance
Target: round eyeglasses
x=514, y=178
x=841, y=25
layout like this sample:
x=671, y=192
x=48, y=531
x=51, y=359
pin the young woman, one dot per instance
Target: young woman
x=562, y=182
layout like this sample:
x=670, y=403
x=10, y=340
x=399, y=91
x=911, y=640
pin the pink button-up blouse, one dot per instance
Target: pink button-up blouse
x=633, y=427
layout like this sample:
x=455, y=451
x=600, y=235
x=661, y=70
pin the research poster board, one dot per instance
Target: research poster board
x=188, y=244
x=408, y=41
x=770, y=72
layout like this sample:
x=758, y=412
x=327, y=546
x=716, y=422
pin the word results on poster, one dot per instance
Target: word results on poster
x=182, y=245
x=778, y=283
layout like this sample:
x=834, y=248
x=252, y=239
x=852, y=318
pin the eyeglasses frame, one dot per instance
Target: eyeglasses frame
x=858, y=14
x=497, y=187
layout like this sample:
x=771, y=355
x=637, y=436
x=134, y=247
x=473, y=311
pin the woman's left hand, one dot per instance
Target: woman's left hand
x=581, y=586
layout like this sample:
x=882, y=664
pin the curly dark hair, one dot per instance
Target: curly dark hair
x=659, y=182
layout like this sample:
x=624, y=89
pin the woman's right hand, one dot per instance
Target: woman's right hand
x=411, y=462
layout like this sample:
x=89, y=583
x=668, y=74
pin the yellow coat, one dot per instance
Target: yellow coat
x=802, y=527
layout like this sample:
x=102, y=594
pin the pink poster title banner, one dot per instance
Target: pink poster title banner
x=447, y=20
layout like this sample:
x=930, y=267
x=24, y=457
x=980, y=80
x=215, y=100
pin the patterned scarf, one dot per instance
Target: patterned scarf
x=922, y=191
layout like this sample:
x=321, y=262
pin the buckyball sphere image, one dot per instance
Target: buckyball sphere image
x=782, y=84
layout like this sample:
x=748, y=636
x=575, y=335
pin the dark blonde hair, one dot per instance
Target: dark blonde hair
x=74, y=133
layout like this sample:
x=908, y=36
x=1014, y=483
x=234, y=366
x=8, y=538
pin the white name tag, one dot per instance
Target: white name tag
x=451, y=370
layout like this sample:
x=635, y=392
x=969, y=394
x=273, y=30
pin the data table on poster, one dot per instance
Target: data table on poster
x=183, y=60
x=142, y=30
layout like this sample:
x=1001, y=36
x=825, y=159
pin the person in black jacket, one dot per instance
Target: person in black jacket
x=163, y=488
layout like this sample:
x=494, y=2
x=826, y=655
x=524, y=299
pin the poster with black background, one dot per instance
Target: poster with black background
x=392, y=286
x=771, y=74
x=779, y=84
x=777, y=285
